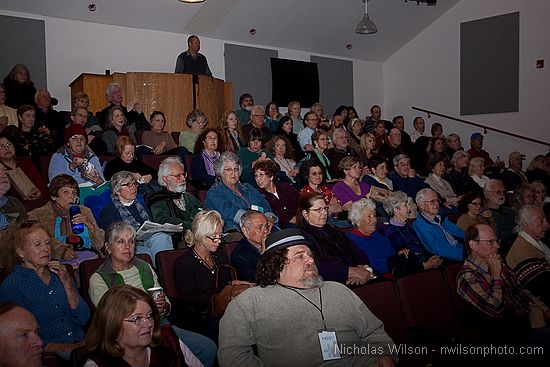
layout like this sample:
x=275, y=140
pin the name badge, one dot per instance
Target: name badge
x=256, y=207
x=329, y=345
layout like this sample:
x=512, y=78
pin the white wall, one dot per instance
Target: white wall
x=75, y=47
x=426, y=73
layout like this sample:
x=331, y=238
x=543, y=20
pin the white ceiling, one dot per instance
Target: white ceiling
x=316, y=26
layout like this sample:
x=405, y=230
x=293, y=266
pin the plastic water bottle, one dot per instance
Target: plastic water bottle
x=74, y=209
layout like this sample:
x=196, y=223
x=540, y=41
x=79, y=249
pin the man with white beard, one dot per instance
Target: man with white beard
x=172, y=204
x=295, y=319
x=10, y=207
x=505, y=218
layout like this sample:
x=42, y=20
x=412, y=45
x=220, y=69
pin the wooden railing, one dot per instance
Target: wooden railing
x=484, y=127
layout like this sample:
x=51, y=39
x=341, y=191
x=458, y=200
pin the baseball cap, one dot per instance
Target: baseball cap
x=476, y=136
x=286, y=238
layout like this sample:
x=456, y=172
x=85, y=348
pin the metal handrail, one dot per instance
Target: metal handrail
x=484, y=127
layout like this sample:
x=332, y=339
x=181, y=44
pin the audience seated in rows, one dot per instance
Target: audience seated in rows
x=412, y=256
x=529, y=257
x=47, y=118
x=30, y=140
x=339, y=151
x=404, y=178
x=246, y=255
x=123, y=267
x=207, y=151
x=117, y=125
x=127, y=314
x=350, y=189
x=124, y=206
x=44, y=287
x=458, y=175
x=251, y=154
x=285, y=129
x=339, y=259
x=245, y=106
x=160, y=141
x=54, y=216
x=505, y=218
x=20, y=89
x=283, y=154
x=311, y=175
x=257, y=121
x=321, y=142
x=439, y=235
x=281, y=196
x=25, y=167
x=125, y=160
x=134, y=117
x=76, y=159
x=196, y=272
x=8, y=115
x=172, y=204
x=474, y=212
x=513, y=314
x=231, y=131
x=232, y=198
x=196, y=121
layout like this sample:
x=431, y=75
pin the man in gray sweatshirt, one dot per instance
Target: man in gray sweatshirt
x=296, y=319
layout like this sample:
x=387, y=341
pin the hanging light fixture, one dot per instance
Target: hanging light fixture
x=192, y=1
x=366, y=25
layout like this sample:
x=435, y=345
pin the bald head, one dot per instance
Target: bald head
x=20, y=345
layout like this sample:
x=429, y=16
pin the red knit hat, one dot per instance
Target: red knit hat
x=72, y=130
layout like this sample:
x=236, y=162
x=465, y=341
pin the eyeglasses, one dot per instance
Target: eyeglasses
x=6, y=146
x=220, y=238
x=129, y=184
x=496, y=241
x=316, y=174
x=234, y=170
x=258, y=115
x=139, y=320
x=320, y=210
x=259, y=175
x=180, y=175
x=476, y=203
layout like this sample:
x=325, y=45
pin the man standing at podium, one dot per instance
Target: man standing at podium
x=191, y=61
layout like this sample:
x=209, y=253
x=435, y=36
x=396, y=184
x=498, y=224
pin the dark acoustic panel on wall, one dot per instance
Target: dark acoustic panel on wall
x=23, y=41
x=294, y=81
x=335, y=82
x=249, y=69
x=489, y=65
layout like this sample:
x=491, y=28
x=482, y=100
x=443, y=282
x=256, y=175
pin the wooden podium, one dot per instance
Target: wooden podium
x=173, y=94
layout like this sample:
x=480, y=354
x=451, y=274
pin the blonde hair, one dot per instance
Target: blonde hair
x=204, y=224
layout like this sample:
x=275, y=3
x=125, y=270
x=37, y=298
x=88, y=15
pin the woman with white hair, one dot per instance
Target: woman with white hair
x=411, y=254
x=230, y=197
x=475, y=170
x=362, y=215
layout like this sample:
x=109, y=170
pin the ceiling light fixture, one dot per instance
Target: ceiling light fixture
x=366, y=25
x=192, y=1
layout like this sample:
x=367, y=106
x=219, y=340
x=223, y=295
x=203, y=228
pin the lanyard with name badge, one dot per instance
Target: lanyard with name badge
x=327, y=337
